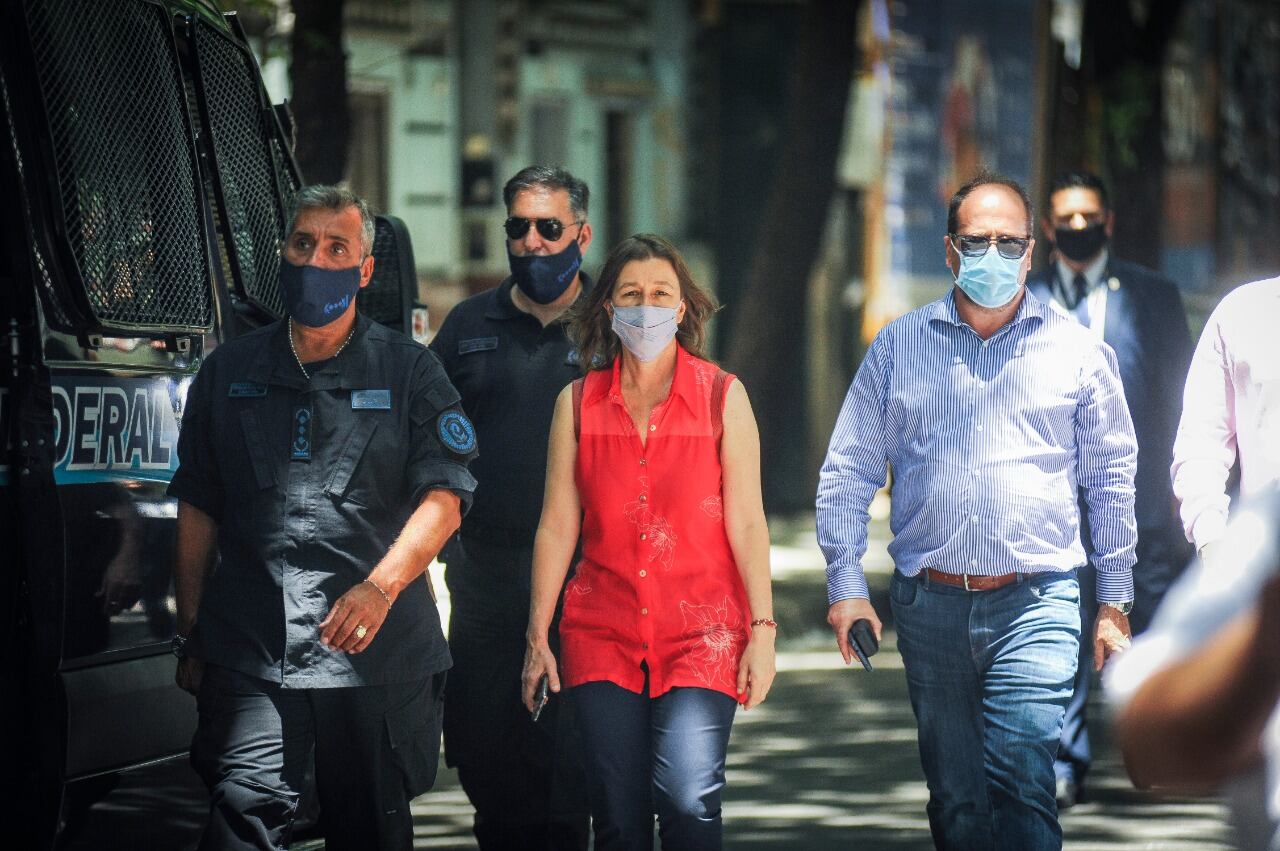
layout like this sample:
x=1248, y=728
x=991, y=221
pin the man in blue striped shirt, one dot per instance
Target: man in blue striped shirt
x=994, y=411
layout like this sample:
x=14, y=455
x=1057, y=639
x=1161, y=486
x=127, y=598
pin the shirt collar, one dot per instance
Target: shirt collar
x=1092, y=273
x=502, y=307
x=349, y=369
x=684, y=384
x=944, y=309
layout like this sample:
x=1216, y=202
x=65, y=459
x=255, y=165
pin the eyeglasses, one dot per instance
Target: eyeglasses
x=1010, y=247
x=549, y=229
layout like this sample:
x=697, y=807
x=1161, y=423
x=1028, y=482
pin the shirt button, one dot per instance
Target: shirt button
x=653, y=428
x=979, y=428
x=973, y=563
x=973, y=519
x=644, y=498
x=984, y=343
x=642, y=573
x=643, y=537
x=957, y=359
x=643, y=462
x=644, y=611
x=982, y=384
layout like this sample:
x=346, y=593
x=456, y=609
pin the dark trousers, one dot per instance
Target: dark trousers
x=373, y=749
x=647, y=755
x=1160, y=562
x=524, y=778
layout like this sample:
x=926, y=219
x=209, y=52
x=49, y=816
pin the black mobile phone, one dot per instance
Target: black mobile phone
x=540, y=696
x=862, y=640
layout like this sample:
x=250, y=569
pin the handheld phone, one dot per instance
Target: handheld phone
x=540, y=696
x=862, y=640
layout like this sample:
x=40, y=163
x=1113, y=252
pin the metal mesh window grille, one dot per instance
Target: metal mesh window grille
x=254, y=205
x=55, y=310
x=124, y=160
x=382, y=299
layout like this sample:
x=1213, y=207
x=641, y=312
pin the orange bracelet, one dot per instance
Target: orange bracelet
x=769, y=622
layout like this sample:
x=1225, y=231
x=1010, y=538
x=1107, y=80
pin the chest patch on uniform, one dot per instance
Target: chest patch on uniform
x=246, y=390
x=477, y=344
x=370, y=400
x=300, y=444
x=456, y=432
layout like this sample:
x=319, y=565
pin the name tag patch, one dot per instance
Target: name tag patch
x=300, y=446
x=370, y=400
x=477, y=344
x=246, y=390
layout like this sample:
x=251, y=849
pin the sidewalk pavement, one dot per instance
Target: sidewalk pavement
x=830, y=760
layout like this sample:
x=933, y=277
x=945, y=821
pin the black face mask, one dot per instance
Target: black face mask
x=1081, y=245
x=545, y=278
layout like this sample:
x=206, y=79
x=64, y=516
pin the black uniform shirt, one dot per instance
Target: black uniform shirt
x=509, y=370
x=310, y=482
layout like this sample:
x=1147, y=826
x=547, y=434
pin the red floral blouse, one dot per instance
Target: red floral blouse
x=657, y=582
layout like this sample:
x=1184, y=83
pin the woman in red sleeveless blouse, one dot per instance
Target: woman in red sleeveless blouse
x=654, y=459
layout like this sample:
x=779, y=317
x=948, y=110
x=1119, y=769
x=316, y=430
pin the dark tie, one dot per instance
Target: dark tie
x=1079, y=291
x=1080, y=288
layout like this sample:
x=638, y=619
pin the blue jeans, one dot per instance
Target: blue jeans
x=989, y=674
x=645, y=755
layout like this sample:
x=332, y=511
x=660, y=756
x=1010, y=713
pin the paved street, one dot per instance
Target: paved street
x=828, y=762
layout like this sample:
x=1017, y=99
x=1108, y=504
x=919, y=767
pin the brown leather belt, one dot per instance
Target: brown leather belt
x=970, y=582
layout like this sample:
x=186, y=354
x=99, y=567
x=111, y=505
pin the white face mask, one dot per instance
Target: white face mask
x=645, y=329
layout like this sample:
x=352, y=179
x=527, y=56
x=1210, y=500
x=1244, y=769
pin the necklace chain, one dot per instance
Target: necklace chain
x=294, y=348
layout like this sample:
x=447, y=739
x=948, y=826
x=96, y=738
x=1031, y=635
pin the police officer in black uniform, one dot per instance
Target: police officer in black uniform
x=507, y=353
x=323, y=462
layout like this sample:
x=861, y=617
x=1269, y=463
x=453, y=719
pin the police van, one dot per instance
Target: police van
x=145, y=183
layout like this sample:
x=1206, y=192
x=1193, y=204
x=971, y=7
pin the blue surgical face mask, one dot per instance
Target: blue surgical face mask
x=645, y=329
x=315, y=297
x=990, y=280
x=545, y=278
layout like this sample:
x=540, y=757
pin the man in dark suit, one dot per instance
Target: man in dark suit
x=1139, y=314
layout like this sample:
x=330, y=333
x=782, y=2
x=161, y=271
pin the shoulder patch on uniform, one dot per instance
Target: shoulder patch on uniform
x=456, y=432
x=477, y=344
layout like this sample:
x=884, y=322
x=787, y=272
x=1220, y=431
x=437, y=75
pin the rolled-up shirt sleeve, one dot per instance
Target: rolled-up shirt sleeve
x=197, y=481
x=1107, y=461
x=855, y=468
x=443, y=439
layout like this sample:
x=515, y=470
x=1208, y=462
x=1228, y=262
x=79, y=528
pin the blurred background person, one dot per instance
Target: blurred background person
x=1230, y=410
x=1138, y=313
x=1197, y=695
x=507, y=352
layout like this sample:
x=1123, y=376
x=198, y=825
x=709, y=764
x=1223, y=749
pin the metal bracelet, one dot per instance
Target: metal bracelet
x=380, y=591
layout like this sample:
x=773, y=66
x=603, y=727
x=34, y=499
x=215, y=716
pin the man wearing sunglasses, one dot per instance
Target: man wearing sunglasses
x=992, y=410
x=1139, y=314
x=506, y=352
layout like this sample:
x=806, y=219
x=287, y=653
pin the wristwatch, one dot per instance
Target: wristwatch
x=1123, y=608
x=178, y=646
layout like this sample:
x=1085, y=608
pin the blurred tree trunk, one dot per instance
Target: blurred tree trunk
x=1109, y=114
x=767, y=337
x=318, y=80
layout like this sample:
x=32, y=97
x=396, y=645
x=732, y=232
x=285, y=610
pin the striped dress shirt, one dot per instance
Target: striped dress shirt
x=990, y=442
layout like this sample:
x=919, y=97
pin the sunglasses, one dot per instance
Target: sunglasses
x=1009, y=247
x=548, y=229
